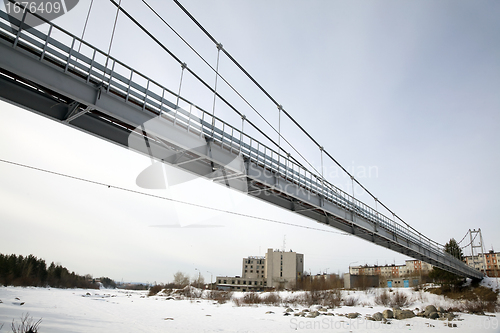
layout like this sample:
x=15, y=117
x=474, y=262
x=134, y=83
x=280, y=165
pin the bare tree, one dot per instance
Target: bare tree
x=181, y=280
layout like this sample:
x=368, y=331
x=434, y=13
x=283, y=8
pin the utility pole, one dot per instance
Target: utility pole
x=211, y=284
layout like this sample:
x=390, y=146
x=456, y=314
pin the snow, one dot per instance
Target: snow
x=77, y=310
x=493, y=283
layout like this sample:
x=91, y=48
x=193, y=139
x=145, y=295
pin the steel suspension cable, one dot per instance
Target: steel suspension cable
x=472, y=241
x=85, y=25
x=290, y=117
x=463, y=237
x=113, y=33
x=219, y=47
x=232, y=88
x=195, y=75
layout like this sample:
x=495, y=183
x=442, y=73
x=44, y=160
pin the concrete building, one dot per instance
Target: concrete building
x=410, y=268
x=489, y=260
x=283, y=268
x=278, y=269
x=407, y=275
x=361, y=281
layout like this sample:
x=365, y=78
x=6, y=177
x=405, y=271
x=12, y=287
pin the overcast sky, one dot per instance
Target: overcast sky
x=405, y=94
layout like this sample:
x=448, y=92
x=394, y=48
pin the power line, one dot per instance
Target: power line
x=168, y=199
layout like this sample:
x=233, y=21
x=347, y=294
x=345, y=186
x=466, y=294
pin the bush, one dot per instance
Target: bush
x=400, y=300
x=220, y=296
x=351, y=301
x=293, y=300
x=479, y=307
x=27, y=325
x=383, y=298
x=312, y=297
x=237, y=301
x=251, y=298
x=332, y=298
x=155, y=290
x=272, y=299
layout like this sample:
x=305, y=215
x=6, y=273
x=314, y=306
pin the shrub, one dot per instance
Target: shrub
x=155, y=290
x=329, y=298
x=272, y=299
x=400, y=300
x=479, y=307
x=351, y=301
x=332, y=298
x=251, y=298
x=27, y=325
x=383, y=298
x=312, y=297
x=293, y=300
x=220, y=296
x=237, y=301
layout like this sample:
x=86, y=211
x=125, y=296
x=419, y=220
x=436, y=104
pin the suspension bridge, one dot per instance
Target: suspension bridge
x=53, y=77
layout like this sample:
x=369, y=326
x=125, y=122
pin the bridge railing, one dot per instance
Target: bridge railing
x=81, y=59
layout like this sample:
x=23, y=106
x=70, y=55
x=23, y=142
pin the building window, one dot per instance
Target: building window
x=281, y=274
x=220, y=281
x=225, y=281
x=244, y=282
x=232, y=282
x=257, y=272
x=255, y=283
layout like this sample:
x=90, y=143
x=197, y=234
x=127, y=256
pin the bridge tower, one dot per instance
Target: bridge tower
x=477, y=246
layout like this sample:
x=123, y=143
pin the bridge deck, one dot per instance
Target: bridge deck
x=98, y=94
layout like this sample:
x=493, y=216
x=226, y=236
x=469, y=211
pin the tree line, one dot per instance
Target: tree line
x=32, y=271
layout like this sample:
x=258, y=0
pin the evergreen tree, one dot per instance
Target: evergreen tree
x=452, y=248
x=446, y=279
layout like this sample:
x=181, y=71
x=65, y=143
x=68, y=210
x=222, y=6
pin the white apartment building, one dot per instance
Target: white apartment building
x=278, y=269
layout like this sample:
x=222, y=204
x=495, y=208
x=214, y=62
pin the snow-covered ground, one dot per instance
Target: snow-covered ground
x=77, y=310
